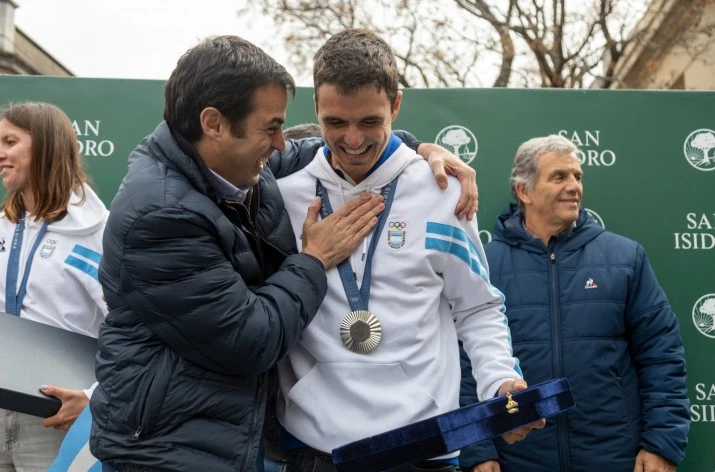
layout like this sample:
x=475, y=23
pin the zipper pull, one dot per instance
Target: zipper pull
x=553, y=257
x=137, y=433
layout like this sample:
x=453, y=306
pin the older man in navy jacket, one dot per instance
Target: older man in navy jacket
x=583, y=303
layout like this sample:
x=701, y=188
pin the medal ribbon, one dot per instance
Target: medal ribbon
x=358, y=298
x=14, y=297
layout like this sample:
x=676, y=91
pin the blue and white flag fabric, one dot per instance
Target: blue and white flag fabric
x=74, y=455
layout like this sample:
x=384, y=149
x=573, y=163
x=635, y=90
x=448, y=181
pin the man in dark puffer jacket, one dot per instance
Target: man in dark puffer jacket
x=583, y=303
x=204, y=294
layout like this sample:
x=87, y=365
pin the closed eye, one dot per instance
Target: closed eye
x=372, y=122
x=334, y=123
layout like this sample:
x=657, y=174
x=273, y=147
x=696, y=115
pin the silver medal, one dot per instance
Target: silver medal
x=360, y=331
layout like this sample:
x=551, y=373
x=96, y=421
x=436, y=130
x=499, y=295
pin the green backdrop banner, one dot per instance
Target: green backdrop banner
x=648, y=159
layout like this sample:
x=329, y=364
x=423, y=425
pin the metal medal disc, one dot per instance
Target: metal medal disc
x=360, y=331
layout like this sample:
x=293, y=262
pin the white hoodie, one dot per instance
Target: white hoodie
x=423, y=287
x=62, y=286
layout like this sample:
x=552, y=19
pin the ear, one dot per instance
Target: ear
x=396, y=106
x=523, y=193
x=315, y=102
x=212, y=122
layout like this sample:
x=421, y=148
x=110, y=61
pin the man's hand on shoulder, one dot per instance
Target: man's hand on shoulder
x=649, y=462
x=333, y=239
x=518, y=434
x=445, y=163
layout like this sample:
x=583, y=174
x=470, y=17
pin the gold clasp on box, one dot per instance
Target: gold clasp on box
x=512, y=406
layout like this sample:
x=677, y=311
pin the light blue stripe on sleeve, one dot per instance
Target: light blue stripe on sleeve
x=458, y=250
x=87, y=253
x=456, y=233
x=84, y=266
x=461, y=252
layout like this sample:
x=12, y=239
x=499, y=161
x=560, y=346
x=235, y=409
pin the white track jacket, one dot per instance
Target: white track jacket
x=430, y=284
x=62, y=286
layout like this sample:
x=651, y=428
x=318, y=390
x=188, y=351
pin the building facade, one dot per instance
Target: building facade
x=19, y=54
x=673, y=48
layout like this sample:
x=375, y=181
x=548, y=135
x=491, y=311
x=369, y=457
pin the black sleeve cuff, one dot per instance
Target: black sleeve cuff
x=409, y=139
x=315, y=259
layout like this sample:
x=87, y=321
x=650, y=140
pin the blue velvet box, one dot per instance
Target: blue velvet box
x=454, y=430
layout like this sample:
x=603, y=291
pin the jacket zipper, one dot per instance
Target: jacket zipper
x=254, y=416
x=256, y=202
x=247, y=223
x=561, y=425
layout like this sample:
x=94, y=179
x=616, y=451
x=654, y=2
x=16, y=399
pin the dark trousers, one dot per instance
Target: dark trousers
x=310, y=460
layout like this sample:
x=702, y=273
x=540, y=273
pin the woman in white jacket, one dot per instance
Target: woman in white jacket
x=51, y=226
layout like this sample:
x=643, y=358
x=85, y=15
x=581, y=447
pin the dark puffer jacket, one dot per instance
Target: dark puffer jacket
x=204, y=299
x=611, y=332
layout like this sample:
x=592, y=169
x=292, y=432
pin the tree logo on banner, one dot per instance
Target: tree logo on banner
x=460, y=141
x=596, y=217
x=704, y=315
x=699, y=149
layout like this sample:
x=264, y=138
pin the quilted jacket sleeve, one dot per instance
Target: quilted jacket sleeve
x=296, y=155
x=657, y=351
x=177, y=279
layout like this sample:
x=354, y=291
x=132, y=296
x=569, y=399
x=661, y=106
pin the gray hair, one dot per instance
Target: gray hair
x=526, y=161
x=306, y=130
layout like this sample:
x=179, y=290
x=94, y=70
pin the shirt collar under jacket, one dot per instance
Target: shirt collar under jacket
x=227, y=190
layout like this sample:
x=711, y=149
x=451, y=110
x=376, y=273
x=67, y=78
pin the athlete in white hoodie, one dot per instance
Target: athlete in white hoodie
x=51, y=226
x=373, y=360
x=62, y=286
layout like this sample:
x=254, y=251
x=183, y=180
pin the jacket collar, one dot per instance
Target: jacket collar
x=510, y=229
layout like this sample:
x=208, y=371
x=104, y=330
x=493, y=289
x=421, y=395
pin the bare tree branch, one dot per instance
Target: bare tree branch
x=551, y=43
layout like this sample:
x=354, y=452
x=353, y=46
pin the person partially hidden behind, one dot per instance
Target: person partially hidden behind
x=583, y=303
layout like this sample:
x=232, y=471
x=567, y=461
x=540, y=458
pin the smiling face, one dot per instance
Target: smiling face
x=356, y=126
x=15, y=157
x=553, y=204
x=240, y=159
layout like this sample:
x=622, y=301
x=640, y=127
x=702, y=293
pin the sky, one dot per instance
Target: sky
x=138, y=39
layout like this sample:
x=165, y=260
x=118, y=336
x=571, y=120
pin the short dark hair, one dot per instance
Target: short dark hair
x=306, y=130
x=221, y=72
x=56, y=168
x=356, y=58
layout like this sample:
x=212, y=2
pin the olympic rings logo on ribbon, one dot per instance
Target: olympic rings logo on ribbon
x=397, y=225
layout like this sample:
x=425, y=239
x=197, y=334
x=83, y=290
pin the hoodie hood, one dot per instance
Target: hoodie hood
x=391, y=167
x=85, y=218
x=510, y=229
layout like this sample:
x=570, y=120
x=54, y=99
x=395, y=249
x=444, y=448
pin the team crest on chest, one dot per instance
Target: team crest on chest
x=396, y=231
x=2, y=245
x=48, y=248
